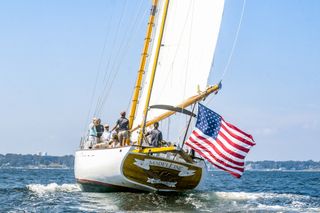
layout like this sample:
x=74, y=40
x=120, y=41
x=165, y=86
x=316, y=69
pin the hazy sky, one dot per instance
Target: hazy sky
x=52, y=51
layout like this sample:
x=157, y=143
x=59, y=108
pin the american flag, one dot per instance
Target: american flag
x=221, y=143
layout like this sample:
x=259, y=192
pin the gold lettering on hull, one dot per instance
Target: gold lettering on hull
x=146, y=163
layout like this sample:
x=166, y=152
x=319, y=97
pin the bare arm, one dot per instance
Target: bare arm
x=114, y=127
x=117, y=124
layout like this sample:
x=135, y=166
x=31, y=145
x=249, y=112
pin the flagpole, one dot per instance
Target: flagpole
x=185, y=135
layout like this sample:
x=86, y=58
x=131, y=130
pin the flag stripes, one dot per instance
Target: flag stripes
x=233, y=131
x=214, y=158
x=199, y=151
x=221, y=143
x=220, y=150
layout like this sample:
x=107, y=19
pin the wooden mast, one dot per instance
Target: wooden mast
x=153, y=72
x=143, y=61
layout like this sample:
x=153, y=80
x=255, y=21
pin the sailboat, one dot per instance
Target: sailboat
x=175, y=63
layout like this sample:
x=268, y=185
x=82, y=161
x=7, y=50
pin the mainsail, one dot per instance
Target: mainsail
x=187, y=48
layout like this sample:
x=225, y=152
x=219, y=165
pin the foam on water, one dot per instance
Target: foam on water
x=55, y=191
x=199, y=201
x=255, y=196
x=267, y=201
x=52, y=187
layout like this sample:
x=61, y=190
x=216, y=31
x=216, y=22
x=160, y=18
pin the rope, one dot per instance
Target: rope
x=121, y=52
x=107, y=74
x=98, y=72
x=140, y=24
x=232, y=50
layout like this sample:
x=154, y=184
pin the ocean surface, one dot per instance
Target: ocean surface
x=55, y=190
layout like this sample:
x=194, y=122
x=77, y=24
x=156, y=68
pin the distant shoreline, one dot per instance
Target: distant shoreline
x=36, y=168
x=211, y=170
x=19, y=161
x=276, y=170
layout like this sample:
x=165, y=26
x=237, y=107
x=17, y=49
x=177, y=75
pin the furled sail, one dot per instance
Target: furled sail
x=188, y=44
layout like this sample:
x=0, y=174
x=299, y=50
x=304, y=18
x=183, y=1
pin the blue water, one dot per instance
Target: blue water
x=54, y=190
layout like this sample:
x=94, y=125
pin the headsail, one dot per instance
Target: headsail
x=187, y=48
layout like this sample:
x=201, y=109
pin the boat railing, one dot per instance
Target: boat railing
x=167, y=151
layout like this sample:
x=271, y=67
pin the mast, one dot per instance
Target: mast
x=143, y=60
x=154, y=67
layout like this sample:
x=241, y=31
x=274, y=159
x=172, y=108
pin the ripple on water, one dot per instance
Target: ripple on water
x=55, y=191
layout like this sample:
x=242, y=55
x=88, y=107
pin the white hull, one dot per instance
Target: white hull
x=100, y=170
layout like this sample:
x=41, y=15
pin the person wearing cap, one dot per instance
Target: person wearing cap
x=106, y=135
x=122, y=127
x=156, y=135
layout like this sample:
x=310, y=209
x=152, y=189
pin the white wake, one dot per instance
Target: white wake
x=53, y=187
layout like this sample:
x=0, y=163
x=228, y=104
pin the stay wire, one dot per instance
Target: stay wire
x=98, y=73
x=108, y=71
x=123, y=53
x=234, y=42
x=106, y=78
x=118, y=67
x=232, y=49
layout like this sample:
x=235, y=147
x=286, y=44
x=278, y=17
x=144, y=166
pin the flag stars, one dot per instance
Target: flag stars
x=208, y=121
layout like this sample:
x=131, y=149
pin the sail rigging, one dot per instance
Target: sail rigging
x=181, y=55
x=143, y=62
x=153, y=69
x=190, y=34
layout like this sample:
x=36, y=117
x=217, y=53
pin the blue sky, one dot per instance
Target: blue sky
x=52, y=51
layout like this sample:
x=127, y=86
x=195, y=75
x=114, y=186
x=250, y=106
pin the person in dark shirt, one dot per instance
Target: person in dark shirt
x=156, y=135
x=122, y=127
x=100, y=129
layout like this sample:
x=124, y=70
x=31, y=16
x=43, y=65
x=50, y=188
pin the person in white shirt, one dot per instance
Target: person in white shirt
x=106, y=135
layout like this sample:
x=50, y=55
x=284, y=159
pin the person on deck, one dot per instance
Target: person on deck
x=99, y=128
x=156, y=135
x=93, y=136
x=122, y=126
x=114, y=142
x=106, y=135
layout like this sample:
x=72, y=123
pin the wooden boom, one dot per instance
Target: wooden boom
x=185, y=104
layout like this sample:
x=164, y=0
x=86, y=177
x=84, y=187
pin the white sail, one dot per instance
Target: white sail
x=187, y=48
